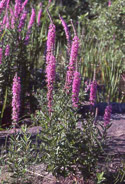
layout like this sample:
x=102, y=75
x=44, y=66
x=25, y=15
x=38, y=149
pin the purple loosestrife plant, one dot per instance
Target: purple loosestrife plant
x=66, y=29
x=7, y=50
x=50, y=41
x=32, y=19
x=39, y=14
x=12, y=18
x=1, y=52
x=50, y=78
x=109, y=3
x=22, y=20
x=93, y=90
x=4, y=19
x=24, y=4
x=107, y=115
x=72, y=63
x=16, y=89
x=87, y=86
x=17, y=8
x=2, y=5
x=8, y=4
x=31, y=22
x=7, y=23
x=75, y=89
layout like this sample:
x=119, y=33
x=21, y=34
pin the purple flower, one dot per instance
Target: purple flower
x=107, y=115
x=66, y=29
x=1, y=53
x=50, y=41
x=7, y=23
x=16, y=89
x=109, y=3
x=17, y=8
x=72, y=63
x=24, y=4
x=22, y=20
x=4, y=19
x=12, y=18
x=74, y=50
x=87, y=86
x=75, y=88
x=93, y=90
x=50, y=78
x=7, y=50
x=32, y=19
x=39, y=15
x=27, y=38
x=8, y=4
x=2, y=5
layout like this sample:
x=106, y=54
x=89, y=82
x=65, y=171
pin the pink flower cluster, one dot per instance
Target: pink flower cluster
x=2, y=5
x=24, y=4
x=31, y=22
x=32, y=19
x=72, y=63
x=50, y=41
x=107, y=115
x=109, y=3
x=16, y=89
x=7, y=50
x=39, y=14
x=50, y=64
x=17, y=8
x=67, y=33
x=50, y=75
x=75, y=88
x=1, y=53
x=93, y=90
x=22, y=20
x=12, y=18
x=87, y=86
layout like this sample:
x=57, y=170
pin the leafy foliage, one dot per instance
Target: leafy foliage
x=69, y=143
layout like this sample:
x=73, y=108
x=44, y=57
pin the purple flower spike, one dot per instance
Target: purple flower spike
x=27, y=38
x=1, y=52
x=32, y=19
x=2, y=5
x=16, y=89
x=8, y=4
x=71, y=67
x=93, y=90
x=75, y=89
x=74, y=50
x=109, y=3
x=22, y=20
x=39, y=16
x=51, y=72
x=50, y=41
x=24, y=4
x=17, y=8
x=7, y=23
x=66, y=29
x=7, y=50
x=107, y=115
x=4, y=19
x=12, y=18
